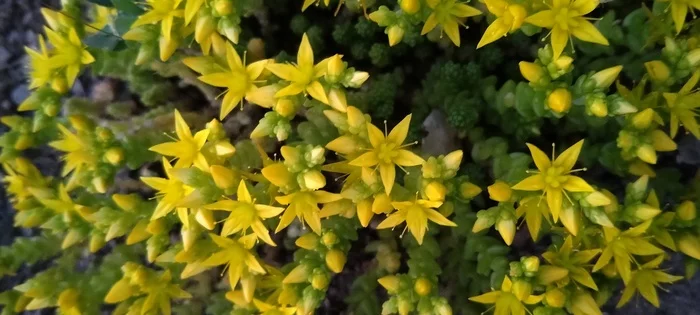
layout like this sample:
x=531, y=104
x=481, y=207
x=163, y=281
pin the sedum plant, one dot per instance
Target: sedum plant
x=249, y=168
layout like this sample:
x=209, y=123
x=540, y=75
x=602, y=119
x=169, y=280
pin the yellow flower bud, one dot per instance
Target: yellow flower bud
x=559, y=101
x=204, y=27
x=80, y=123
x=223, y=7
x=469, y=190
x=120, y=291
x=500, y=191
x=570, y=219
x=599, y=108
x=435, y=191
x=645, y=212
x=640, y=168
x=687, y=211
x=422, y=286
x=507, y=230
x=662, y=142
x=100, y=184
x=531, y=71
x=597, y=199
x=168, y=46
x=453, y=160
x=189, y=235
x=380, y=17
x=555, y=298
x=338, y=100
x=314, y=180
x=68, y=299
x=285, y=107
x=307, y=241
x=335, y=260
x=329, y=239
x=390, y=283
x=205, y=218
x=156, y=226
x=224, y=177
x=319, y=282
x=548, y=274
x=690, y=245
x=405, y=306
x=59, y=84
x=693, y=57
x=521, y=289
x=480, y=224
x=531, y=264
x=610, y=271
x=24, y=141
x=604, y=78
x=395, y=33
x=358, y=78
x=335, y=66
x=97, y=241
x=658, y=70
x=224, y=149
x=299, y=274
x=72, y=237
x=138, y=233
x=647, y=153
x=643, y=119
x=114, y=156
x=563, y=62
x=410, y=6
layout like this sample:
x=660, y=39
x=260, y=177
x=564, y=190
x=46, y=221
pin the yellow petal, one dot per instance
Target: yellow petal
x=495, y=31
x=261, y=231
x=263, y=96
x=407, y=158
x=392, y=220
x=438, y=218
x=430, y=24
x=364, y=212
x=544, y=19
x=462, y=10
x=400, y=131
x=532, y=183
x=486, y=298
x=316, y=90
x=181, y=128
x=366, y=160
x=584, y=7
x=586, y=31
x=284, y=71
x=388, y=175
x=451, y=28
x=679, y=10
x=559, y=39
x=376, y=137
x=305, y=55
x=568, y=158
x=541, y=160
x=577, y=184
x=554, y=201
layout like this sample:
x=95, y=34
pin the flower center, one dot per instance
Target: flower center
x=387, y=152
x=553, y=177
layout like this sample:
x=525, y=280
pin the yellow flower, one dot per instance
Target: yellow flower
x=61, y=203
x=238, y=79
x=387, y=152
x=679, y=10
x=245, y=213
x=78, y=153
x=236, y=255
x=448, y=14
x=69, y=54
x=683, y=107
x=187, y=148
x=554, y=177
x=620, y=246
x=509, y=18
x=505, y=301
x=268, y=309
x=41, y=70
x=21, y=174
x=416, y=215
x=565, y=18
x=304, y=205
x=559, y=101
x=170, y=190
x=304, y=76
x=645, y=280
x=576, y=262
x=534, y=211
x=163, y=11
x=159, y=292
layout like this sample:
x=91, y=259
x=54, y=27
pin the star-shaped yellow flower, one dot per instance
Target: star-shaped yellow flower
x=40, y=70
x=304, y=76
x=187, y=149
x=163, y=11
x=245, y=213
x=237, y=257
x=69, y=53
x=387, y=152
x=505, y=301
x=554, y=177
x=416, y=215
x=645, y=280
x=679, y=10
x=170, y=189
x=684, y=107
x=448, y=14
x=304, y=205
x=237, y=78
x=565, y=18
x=77, y=151
x=509, y=18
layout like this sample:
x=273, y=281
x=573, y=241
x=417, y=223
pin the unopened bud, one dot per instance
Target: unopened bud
x=335, y=260
x=223, y=7
x=563, y=62
x=643, y=119
x=435, y=191
x=299, y=274
x=468, y=190
x=100, y=184
x=224, y=177
x=693, y=57
x=690, y=245
x=358, y=78
x=531, y=264
x=307, y=241
x=335, y=67
x=647, y=153
x=658, y=70
x=500, y=191
x=156, y=226
x=319, y=281
x=599, y=108
x=531, y=71
x=204, y=27
x=645, y=212
x=314, y=180
x=604, y=78
x=68, y=298
x=285, y=107
x=168, y=46
x=521, y=289
x=559, y=101
x=410, y=6
x=507, y=230
x=114, y=156
x=422, y=286
x=395, y=33
x=120, y=291
x=555, y=298
x=687, y=211
x=97, y=241
x=390, y=283
x=480, y=224
x=224, y=149
x=329, y=239
x=662, y=142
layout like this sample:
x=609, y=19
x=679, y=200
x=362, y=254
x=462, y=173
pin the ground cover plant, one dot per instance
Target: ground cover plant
x=355, y=156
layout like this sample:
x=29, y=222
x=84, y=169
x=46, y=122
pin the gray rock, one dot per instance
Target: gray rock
x=4, y=57
x=441, y=138
x=19, y=93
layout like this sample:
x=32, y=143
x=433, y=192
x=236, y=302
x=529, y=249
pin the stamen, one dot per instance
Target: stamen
x=340, y=4
x=403, y=169
x=583, y=169
x=171, y=137
x=385, y=130
x=553, y=148
x=408, y=144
